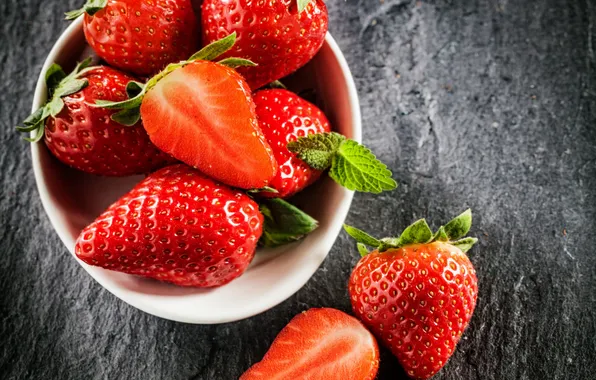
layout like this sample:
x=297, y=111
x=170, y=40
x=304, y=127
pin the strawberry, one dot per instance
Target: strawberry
x=417, y=292
x=202, y=113
x=84, y=136
x=324, y=344
x=140, y=37
x=283, y=117
x=177, y=226
x=280, y=36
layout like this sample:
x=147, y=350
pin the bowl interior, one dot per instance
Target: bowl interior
x=73, y=199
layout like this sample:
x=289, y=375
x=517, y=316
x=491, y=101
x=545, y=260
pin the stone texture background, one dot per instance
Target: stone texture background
x=488, y=104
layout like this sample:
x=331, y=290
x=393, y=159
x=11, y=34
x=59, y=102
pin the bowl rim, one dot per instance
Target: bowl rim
x=58, y=220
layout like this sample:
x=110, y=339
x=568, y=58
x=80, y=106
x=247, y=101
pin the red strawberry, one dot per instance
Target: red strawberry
x=284, y=117
x=140, y=37
x=203, y=115
x=324, y=344
x=272, y=33
x=85, y=137
x=417, y=292
x=177, y=226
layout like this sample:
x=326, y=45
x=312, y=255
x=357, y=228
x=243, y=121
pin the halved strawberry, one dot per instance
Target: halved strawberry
x=324, y=344
x=203, y=115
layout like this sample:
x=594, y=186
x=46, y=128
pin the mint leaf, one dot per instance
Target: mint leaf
x=284, y=223
x=317, y=150
x=356, y=168
x=464, y=244
x=215, y=49
x=302, y=4
x=233, y=62
x=418, y=232
x=459, y=226
x=361, y=236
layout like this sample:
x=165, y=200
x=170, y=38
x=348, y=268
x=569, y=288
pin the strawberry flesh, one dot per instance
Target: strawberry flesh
x=203, y=115
x=324, y=344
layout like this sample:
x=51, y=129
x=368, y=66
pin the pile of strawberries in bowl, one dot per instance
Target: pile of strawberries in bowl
x=195, y=101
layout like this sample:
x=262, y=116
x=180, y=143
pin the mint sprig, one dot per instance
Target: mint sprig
x=420, y=233
x=59, y=85
x=284, y=223
x=350, y=164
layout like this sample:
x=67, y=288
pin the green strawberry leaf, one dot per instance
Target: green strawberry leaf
x=356, y=168
x=277, y=84
x=54, y=75
x=265, y=189
x=459, y=226
x=302, y=4
x=91, y=7
x=233, y=62
x=127, y=117
x=284, y=223
x=70, y=87
x=362, y=237
x=464, y=244
x=418, y=232
x=362, y=249
x=317, y=150
x=38, y=135
x=440, y=235
x=55, y=106
x=134, y=88
x=214, y=49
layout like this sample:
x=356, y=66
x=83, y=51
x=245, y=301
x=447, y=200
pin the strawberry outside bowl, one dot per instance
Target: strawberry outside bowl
x=73, y=199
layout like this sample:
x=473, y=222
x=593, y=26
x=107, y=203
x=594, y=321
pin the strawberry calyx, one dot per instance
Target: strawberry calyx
x=59, y=85
x=130, y=109
x=302, y=4
x=91, y=7
x=284, y=223
x=350, y=164
x=419, y=232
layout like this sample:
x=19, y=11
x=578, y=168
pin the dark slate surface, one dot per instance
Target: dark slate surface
x=482, y=104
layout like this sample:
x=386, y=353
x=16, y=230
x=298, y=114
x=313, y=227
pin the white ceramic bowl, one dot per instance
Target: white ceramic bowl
x=73, y=199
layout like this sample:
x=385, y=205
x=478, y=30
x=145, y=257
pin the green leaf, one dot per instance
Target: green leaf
x=91, y=7
x=215, y=49
x=234, y=62
x=418, y=232
x=134, y=88
x=362, y=250
x=38, y=136
x=361, y=236
x=55, y=106
x=440, y=235
x=123, y=105
x=69, y=87
x=317, y=150
x=127, y=117
x=54, y=75
x=356, y=168
x=302, y=4
x=284, y=223
x=265, y=189
x=277, y=84
x=459, y=226
x=464, y=244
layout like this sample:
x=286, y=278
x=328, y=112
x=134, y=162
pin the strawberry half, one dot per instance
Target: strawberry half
x=416, y=292
x=84, y=136
x=324, y=344
x=283, y=117
x=202, y=113
x=140, y=37
x=177, y=226
x=279, y=35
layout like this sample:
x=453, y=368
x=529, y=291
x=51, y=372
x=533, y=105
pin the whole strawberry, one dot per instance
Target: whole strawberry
x=140, y=37
x=417, y=292
x=279, y=35
x=84, y=136
x=284, y=117
x=177, y=226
